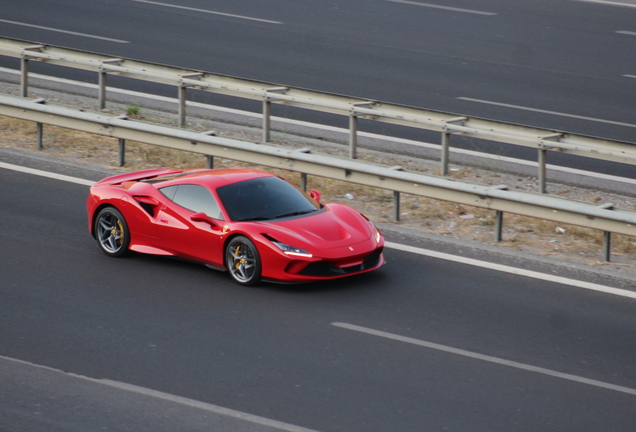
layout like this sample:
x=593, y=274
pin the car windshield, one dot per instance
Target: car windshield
x=264, y=199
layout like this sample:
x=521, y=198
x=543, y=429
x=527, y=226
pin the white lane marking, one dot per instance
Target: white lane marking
x=207, y=11
x=548, y=112
x=434, y=6
x=204, y=406
x=512, y=270
x=47, y=174
x=611, y=3
x=172, y=398
x=486, y=358
x=471, y=153
x=631, y=33
x=630, y=76
x=64, y=31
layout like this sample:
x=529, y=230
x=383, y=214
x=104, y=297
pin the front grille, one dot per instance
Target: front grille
x=326, y=269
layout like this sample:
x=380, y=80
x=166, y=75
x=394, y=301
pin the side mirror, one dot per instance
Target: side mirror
x=202, y=217
x=315, y=195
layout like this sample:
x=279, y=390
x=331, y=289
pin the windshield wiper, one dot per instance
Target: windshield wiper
x=256, y=218
x=264, y=218
x=296, y=213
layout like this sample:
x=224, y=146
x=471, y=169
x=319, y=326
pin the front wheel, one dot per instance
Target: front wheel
x=111, y=232
x=242, y=261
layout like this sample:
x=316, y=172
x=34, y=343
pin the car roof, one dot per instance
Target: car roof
x=211, y=178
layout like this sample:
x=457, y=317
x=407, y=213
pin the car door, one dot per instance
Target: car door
x=200, y=239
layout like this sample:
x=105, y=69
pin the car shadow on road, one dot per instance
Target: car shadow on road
x=360, y=282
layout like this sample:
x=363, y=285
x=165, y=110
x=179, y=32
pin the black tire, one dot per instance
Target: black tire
x=243, y=261
x=111, y=232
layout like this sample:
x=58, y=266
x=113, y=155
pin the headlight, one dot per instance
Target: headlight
x=376, y=232
x=290, y=250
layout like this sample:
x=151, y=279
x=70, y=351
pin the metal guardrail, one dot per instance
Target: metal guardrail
x=543, y=140
x=498, y=198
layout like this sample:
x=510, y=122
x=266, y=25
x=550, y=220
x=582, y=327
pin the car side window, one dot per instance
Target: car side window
x=195, y=198
x=169, y=191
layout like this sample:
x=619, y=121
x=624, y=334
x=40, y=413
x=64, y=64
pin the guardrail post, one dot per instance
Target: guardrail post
x=24, y=76
x=122, y=152
x=101, y=79
x=303, y=181
x=303, y=176
x=607, y=245
x=267, y=111
x=607, y=236
x=182, y=94
x=444, y=157
x=542, y=160
x=542, y=172
x=396, y=198
x=40, y=134
x=101, y=93
x=353, y=136
x=209, y=160
x=24, y=67
x=498, y=226
x=39, y=126
x=353, y=127
x=182, y=105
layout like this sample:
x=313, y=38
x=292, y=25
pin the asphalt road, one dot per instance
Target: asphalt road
x=147, y=343
x=564, y=64
x=421, y=345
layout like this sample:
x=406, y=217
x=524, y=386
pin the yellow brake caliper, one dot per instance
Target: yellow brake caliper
x=238, y=261
x=121, y=230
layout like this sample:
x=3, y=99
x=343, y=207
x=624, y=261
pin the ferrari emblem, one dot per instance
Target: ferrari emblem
x=225, y=228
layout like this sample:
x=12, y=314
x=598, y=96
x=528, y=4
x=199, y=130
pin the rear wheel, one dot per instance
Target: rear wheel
x=242, y=261
x=111, y=232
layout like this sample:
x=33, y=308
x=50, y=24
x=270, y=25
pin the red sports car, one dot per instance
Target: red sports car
x=250, y=222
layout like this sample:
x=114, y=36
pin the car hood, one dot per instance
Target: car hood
x=337, y=225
